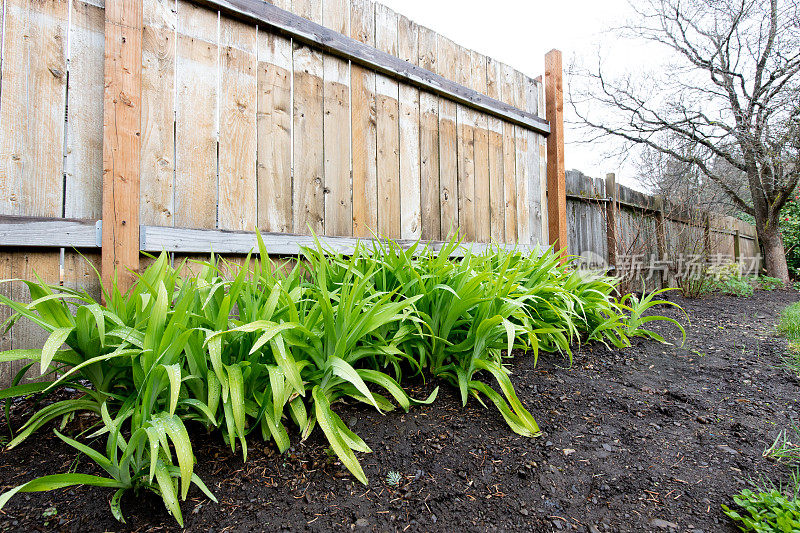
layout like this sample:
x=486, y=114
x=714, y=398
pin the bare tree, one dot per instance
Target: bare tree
x=685, y=185
x=730, y=93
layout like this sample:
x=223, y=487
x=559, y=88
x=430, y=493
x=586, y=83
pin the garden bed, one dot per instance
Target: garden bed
x=634, y=440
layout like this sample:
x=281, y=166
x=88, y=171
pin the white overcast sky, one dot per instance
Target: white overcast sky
x=521, y=32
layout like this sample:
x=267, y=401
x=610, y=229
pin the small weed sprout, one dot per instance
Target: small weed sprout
x=783, y=450
x=393, y=478
x=47, y=514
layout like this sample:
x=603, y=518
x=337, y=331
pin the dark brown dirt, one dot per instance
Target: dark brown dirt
x=653, y=438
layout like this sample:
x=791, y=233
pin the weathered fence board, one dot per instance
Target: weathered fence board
x=196, y=117
x=465, y=119
x=495, y=156
x=409, y=123
x=448, y=141
x=309, y=177
x=363, y=123
x=537, y=196
x=274, y=135
x=387, y=90
x=336, y=128
x=317, y=36
x=524, y=230
x=32, y=107
x=430, y=198
x=158, y=113
x=237, y=126
x=83, y=197
x=509, y=158
x=482, y=193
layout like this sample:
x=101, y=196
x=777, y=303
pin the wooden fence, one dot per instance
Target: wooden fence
x=183, y=125
x=617, y=226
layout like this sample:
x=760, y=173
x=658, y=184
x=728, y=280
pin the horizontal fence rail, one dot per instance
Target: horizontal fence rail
x=38, y=232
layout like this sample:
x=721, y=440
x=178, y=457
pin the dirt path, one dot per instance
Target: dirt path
x=653, y=438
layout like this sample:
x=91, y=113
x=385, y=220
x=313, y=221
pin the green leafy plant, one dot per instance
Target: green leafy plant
x=765, y=512
x=733, y=287
x=770, y=284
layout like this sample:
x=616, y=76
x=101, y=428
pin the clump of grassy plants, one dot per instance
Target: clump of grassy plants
x=789, y=326
x=769, y=507
x=266, y=350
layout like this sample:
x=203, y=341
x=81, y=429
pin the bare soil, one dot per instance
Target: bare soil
x=653, y=438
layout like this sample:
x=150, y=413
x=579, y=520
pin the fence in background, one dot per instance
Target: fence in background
x=614, y=225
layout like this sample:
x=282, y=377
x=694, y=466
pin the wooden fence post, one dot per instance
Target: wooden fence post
x=661, y=239
x=611, y=219
x=707, y=235
x=737, y=250
x=556, y=188
x=121, y=140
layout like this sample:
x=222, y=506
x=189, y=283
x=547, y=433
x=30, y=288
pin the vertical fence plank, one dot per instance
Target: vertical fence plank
x=535, y=182
x=336, y=125
x=237, y=126
x=158, y=113
x=509, y=158
x=308, y=201
x=388, y=130
x=465, y=119
x=523, y=171
x=122, y=141
x=410, y=191
x=556, y=199
x=32, y=108
x=196, y=117
x=83, y=195
x=611, y=218
x=274, y=133
x=482, y=198
x=430, y=208
x=448, y=141
x=496, y=185
x=543, y=166
x=364, y=127
x=662, y=241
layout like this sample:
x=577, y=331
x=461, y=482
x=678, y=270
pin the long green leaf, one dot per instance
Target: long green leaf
x=329, y=426
x=59, y=481
x=51, y=346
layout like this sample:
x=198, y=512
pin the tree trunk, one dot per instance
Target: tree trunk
x=774, y=253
